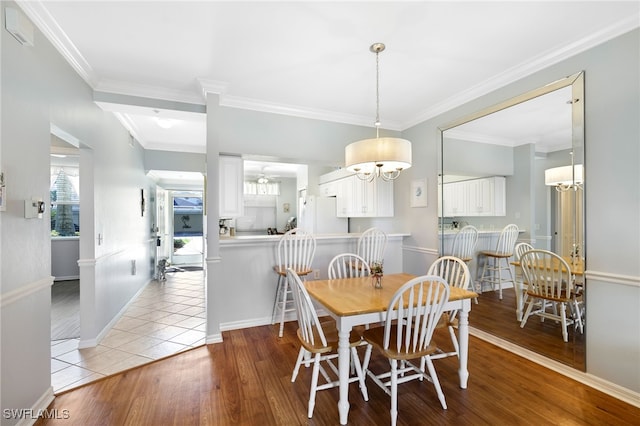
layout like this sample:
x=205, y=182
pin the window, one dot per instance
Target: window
x=255, y=188
x=65, y=201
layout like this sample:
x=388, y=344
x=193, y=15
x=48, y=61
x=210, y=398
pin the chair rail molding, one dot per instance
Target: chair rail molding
x=25, y=290
x=630, y=280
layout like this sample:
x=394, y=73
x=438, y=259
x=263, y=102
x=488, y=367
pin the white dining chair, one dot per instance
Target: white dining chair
x=412, y=316
x=322, y=344
x=296, y=249
x=348, y=265
x=371, y=245
x=497, y=261
x=456, y=273
x=549, y=279
x=520, y=285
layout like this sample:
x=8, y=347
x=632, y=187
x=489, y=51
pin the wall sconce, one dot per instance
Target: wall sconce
x=564, y=177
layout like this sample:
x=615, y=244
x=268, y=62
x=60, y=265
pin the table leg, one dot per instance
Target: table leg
x=463, y=336
x=344, y=355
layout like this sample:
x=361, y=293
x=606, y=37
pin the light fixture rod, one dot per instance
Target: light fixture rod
x=377, y=48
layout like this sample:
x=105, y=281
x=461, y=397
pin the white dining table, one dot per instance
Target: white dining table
x=355, y=301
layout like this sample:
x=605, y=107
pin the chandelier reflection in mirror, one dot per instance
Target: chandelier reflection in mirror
x=380, y=157
x=564, y=178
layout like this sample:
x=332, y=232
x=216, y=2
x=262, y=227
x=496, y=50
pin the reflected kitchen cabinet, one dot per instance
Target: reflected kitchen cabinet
x=475, y=197
x=231, y=186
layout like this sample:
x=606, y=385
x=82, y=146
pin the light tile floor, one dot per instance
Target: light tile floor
x=166, y=318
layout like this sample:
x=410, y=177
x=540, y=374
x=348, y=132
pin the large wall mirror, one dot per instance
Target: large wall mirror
x=519, y=162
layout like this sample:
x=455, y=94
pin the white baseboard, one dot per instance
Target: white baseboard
x=611, y=389
x=38, y=407
x=90, y=343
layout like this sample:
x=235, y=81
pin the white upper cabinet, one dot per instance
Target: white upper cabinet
x=231, y=186
x=476, y=197
x=358, y=198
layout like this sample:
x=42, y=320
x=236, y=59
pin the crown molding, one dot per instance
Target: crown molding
x=147, y=91
x=41, y=17
x=545, y=60
x=37, y=12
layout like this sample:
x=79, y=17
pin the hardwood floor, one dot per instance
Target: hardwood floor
x=65, y=310
x=246, y=380
x=498, y=317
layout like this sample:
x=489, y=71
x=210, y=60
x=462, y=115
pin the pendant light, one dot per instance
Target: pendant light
x=379, y=157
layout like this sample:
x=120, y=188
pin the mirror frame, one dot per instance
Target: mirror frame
x=576, y=82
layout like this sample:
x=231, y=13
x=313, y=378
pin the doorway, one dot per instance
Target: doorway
x=187, y=229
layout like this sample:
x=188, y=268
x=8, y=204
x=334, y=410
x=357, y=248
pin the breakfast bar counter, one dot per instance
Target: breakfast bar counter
x=247, y=283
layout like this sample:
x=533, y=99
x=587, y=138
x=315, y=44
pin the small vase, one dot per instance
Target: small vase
x=377, y=281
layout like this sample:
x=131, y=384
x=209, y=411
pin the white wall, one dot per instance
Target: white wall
x=612, y=195
x=40, y=88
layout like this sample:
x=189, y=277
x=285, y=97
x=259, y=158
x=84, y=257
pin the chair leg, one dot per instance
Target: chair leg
x=563, y=316
x=276, y=300
x=283, y=307
x=454, y=340
x=298, y=363
x=482, y=275
x=360, y=374
x=527, y=313
x=314, y=385
x=394, y=391
x=436, y=382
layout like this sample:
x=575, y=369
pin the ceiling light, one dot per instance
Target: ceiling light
x=262, y=179
x=379, y=157
x=165, y=123
x=564, y=178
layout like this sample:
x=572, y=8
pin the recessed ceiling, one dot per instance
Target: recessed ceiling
x=312, y=59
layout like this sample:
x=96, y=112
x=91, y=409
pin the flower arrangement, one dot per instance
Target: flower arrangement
x=376, y=274
x=376, y=268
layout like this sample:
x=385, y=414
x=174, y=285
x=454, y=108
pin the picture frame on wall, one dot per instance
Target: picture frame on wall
x=419, y=193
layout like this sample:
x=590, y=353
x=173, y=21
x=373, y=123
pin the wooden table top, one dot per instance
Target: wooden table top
x=577, y=268
x=353, y=296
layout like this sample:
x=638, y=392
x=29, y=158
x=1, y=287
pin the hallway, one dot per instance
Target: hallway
x=166, y=318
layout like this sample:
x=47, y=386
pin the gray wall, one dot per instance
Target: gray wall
x=612, y=197
x=39, y=88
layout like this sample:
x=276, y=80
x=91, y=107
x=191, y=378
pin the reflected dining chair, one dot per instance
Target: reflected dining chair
x=321, y=344
x=371, y=245
x=296, y=250
x=520, y=285
x=456, y=273
x=549, y=279
x=464, y=246
x=412, y=315
x=497, y=261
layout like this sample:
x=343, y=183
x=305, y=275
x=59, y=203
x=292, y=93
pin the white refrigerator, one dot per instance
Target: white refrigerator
x=318, y=215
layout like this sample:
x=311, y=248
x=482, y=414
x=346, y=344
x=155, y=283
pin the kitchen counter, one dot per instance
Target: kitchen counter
x=258, y=239
x=248, y=282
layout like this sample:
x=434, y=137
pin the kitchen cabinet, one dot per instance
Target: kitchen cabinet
x=454, y=198
x=329, y=189
x=231, y=186
x=475, y=197
x=358, y=198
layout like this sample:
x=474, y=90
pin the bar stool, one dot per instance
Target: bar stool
x=296, y=250
x=497, y=260
x=464, y=246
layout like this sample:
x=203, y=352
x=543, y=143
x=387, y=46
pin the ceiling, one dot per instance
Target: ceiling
x=312, y=59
